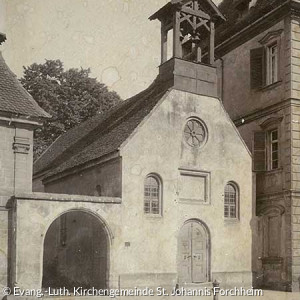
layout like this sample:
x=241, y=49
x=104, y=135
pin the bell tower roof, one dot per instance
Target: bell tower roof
x=207, y=7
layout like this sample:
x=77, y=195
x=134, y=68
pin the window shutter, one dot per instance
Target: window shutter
x=257, y=67
x=259, y=151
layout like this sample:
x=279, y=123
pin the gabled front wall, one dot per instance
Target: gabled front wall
x=158, y=147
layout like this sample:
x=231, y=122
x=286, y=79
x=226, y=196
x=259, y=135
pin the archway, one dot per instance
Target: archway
x=76, y=249
x=193, y=259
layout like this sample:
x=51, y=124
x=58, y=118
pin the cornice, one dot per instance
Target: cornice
x=65, y=198
x=268, y=20
x=270, y=36
x=261, y=113
x=15, y=118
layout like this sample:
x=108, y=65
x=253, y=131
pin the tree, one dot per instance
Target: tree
x=69, y=96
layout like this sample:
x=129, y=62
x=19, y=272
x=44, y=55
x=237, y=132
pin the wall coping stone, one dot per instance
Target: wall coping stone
x=66, y=198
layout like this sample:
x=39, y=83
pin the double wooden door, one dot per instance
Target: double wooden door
x=193, y=254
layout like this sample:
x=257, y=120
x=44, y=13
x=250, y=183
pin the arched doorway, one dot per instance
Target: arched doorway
x=193, y=253
x=76, y=252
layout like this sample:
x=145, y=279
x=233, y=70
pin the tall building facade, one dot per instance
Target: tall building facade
x=259, y=83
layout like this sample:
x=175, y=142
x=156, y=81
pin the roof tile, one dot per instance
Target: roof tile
x=100, y=135
x=14, y=98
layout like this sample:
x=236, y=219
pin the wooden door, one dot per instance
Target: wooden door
x=199, y=253
x=193, y=253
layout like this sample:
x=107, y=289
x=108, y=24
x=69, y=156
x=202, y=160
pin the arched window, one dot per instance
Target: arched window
x=231, y=201
x=152, y=195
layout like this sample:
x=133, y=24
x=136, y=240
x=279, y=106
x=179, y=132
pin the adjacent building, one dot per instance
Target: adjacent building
x=259, y=58
x=19, y=116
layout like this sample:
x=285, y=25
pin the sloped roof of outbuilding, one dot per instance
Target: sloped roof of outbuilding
x=14, y=98
x=234, y=23
x=101, y=135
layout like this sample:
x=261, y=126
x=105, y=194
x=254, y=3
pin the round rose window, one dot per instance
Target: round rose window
x=194, y=133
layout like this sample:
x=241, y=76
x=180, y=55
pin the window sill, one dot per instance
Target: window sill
x=153, y=216
x=269, y=171
x=270, y=86
x=231, y=221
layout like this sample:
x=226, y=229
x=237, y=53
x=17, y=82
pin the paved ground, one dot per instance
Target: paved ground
x=267, y=295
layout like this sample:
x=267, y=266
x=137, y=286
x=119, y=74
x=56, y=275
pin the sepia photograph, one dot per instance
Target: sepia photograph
x=149, y=149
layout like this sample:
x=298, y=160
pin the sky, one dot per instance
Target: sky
x=114, y=38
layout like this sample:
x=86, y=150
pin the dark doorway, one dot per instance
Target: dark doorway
x=76, y=252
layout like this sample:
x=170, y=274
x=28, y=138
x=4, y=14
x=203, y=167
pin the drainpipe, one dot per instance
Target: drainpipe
x=222, y=81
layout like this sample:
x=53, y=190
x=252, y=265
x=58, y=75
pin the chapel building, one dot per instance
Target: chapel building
x=155, y=192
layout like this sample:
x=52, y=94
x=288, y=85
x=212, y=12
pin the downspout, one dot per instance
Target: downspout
x=222, y=80
x=222, y=89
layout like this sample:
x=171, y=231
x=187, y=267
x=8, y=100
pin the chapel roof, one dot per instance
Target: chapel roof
x=101, y=135
x=14, y=98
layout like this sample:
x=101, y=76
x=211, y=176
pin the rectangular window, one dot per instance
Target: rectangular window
x=266, y=150
x=274, y=149
x=264, y=65
x=272, y=53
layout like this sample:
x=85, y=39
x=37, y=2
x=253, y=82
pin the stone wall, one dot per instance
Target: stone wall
x=36, y=212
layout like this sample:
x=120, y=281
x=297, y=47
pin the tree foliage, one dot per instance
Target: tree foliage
x=69, y=96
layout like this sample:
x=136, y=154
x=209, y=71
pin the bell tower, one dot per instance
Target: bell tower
x=188, y=43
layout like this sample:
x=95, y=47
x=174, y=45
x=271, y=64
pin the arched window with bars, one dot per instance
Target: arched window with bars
x=231, y=201
x=152, y=195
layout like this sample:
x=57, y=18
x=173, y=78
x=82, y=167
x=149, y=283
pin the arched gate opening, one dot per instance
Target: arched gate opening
x=76, y=249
